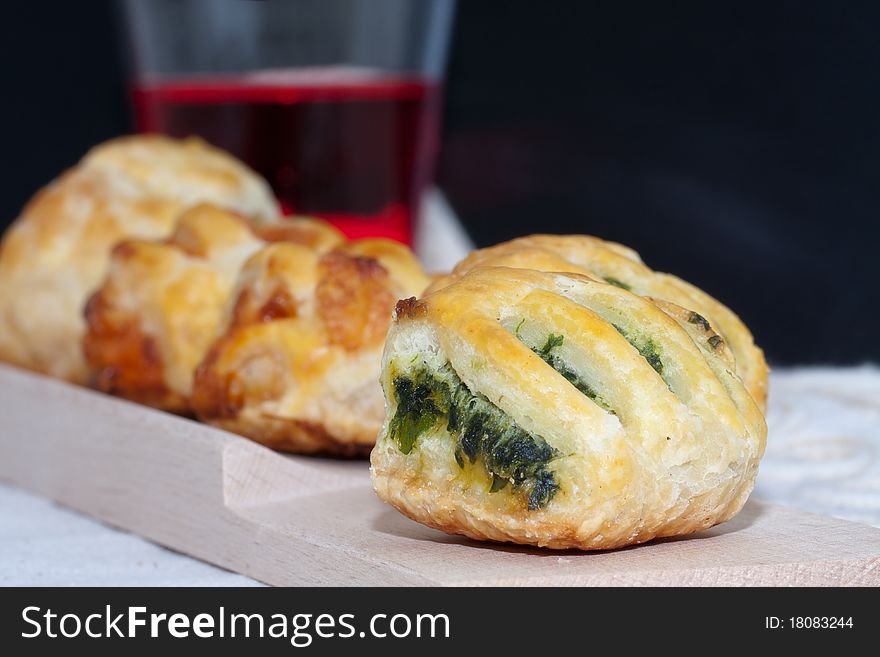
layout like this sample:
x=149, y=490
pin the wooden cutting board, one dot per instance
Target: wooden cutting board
x=289, y=520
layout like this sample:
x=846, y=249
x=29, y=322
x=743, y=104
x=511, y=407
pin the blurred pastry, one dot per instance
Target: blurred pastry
x=557, y=410
x=297, y=367
x=56, y=253
x=162, y=302
x=621, y=266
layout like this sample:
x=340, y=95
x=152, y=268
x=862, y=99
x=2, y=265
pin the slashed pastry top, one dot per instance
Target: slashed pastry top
x=163, y=302
x=297, y=365
x=621, y=266
x=558, y=410
x=57, y=251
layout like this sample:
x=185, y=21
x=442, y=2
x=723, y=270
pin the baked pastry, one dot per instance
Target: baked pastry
x=557, y=410
x=56, y=252
x=297, y=368
x=162, y=302
x=621, y=266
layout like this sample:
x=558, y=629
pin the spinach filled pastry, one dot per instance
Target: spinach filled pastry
x=296, y=367
x=163, y=302
x=621, y=266
x=559, y=410
x=56, y=253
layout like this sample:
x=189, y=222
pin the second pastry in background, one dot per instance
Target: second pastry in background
x=162, y=303
x=297, y=366
x=274, y=332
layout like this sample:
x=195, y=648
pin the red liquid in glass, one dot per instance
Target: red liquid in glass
x=354, y=148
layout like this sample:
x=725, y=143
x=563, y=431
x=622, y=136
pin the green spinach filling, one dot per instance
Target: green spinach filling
x=554, y=361
x=647, y=348
x=421, y=401
x=699, y=320
x=482, y=432
x=618, y=283
x=715, y=341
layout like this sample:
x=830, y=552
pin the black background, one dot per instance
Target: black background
x=734, y=144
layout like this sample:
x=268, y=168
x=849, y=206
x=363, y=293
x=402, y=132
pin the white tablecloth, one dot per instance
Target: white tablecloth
x=823, y=449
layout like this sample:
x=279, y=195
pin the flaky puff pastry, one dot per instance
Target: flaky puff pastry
x=57, y=251
x=621, y=266
x=557, y=410
x=162, y=303
x=297, y=368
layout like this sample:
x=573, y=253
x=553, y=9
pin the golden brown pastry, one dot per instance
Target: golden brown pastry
x=558, y=410
x=56, y=252
x=621, y=266
x=162, y=303
x=297, y=368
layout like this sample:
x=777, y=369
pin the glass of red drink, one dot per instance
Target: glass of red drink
x=335, y=102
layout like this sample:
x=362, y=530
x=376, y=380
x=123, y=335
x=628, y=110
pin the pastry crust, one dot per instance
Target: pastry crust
x=557, y=410
x=56, y=253
x=620, y=265
x=163, y=302
x=296, y=369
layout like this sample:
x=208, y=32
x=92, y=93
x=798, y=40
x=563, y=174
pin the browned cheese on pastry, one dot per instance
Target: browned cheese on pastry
x=56, y=253
x=621, y=266
x=297, y=366
x=162, y=303
x=558, y=410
